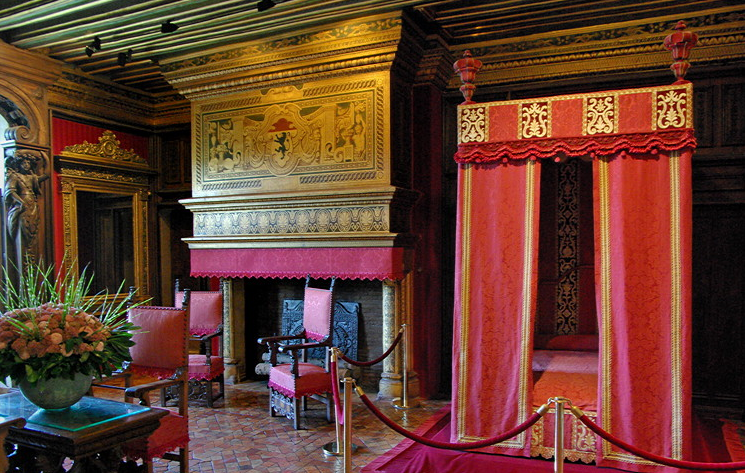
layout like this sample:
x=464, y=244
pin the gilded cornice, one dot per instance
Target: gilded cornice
x=291, y=76
x=613, y=49
x=85, y=173
x=368, y=43
x=105, y=161
x=107, y=147
x=372, y=217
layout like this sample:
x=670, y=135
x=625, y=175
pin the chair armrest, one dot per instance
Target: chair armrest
x=209, y=336
x=125, y=375
x=141, y=389
x=278, y=338
x=301, y=346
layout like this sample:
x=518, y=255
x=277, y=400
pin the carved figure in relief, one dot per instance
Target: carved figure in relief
x=222, y=146
x=23, y=175
x=350, y=132
x=281, y=140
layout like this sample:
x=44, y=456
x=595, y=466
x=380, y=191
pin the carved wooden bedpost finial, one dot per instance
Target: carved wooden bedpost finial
x=680, y=43
x=467, y=67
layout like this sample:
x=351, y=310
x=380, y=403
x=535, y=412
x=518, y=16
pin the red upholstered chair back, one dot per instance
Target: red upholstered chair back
x=206, y=309
x=317, y=316
x=161, y=344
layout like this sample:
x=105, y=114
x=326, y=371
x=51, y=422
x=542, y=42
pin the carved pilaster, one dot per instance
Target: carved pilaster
x=234, y=343
x=26, y=198
x=397, y=304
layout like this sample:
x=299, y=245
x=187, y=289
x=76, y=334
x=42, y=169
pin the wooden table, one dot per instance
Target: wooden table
x=87, y=437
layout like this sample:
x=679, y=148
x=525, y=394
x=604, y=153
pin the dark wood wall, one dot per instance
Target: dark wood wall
x=719, y=242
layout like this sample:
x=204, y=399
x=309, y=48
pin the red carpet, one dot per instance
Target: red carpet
x=714, y=441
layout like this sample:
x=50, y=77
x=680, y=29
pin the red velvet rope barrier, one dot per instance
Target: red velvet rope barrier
x=377, y=360
x=447, y=445
x=687, y=465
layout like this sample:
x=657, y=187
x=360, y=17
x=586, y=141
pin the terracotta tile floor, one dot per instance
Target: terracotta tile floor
x=239, y=435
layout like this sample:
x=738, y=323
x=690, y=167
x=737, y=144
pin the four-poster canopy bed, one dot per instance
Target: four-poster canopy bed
x=630, y=369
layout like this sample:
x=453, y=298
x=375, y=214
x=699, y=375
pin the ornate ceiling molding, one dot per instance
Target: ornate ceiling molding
x=611, y=50
x=364, y=45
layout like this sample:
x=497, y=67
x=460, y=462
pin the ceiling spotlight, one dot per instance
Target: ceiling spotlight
x=124, y=58
x=265, y=5
x=168, y=27
x=94, y=46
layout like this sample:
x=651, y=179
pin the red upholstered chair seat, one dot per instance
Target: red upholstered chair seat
x=200, y=370
x=162, y=440
x=311, y=379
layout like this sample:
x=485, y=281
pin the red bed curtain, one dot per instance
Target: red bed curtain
x=643, y=282
x=641, y=142
x=498, y=256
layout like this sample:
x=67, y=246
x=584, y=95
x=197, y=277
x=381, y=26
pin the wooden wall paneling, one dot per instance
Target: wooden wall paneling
x=732, y=113
x=718, y=305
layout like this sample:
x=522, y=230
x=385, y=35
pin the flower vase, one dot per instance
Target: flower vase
x=56, y=393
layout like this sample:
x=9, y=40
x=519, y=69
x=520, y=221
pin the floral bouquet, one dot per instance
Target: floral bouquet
x=51, y=329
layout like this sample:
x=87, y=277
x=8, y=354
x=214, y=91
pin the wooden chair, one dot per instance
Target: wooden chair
x=161, y=351
x=207, y=367
x=294, y=382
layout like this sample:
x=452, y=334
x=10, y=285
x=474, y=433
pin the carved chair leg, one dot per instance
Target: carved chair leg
x=329, y=402
x=208, y=391
x=296, y=411
x=183, y=454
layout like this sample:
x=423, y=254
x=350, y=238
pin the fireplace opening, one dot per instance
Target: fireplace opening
x=267, y=299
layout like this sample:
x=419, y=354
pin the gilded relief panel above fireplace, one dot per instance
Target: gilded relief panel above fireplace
x=293, y=138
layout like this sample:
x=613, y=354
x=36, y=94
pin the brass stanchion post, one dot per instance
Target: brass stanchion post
x=336, y=448
x=348, y=425
x=559, y=435
x=405, y=388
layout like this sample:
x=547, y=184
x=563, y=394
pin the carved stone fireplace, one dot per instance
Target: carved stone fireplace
x=302, y=164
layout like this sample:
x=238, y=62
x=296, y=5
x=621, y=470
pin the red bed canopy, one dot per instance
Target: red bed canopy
x=640, y=142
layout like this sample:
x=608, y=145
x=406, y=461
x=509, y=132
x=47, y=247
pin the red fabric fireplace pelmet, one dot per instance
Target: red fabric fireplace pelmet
x=343, y=263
